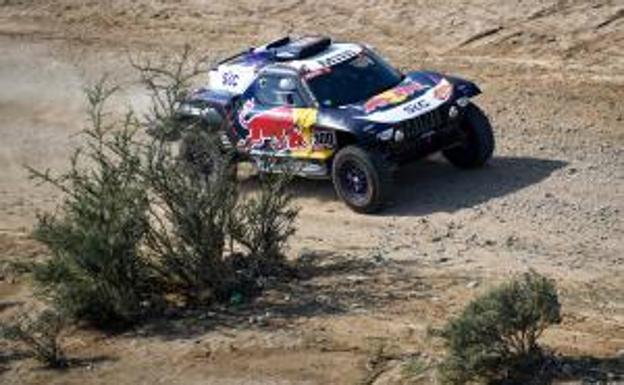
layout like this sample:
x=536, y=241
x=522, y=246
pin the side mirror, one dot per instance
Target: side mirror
x=211, y=117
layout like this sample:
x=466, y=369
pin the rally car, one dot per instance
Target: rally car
x=339, y=111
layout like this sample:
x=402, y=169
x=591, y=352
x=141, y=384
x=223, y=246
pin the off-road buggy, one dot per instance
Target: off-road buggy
x=339, y=111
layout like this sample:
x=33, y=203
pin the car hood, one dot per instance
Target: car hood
x=418, y=93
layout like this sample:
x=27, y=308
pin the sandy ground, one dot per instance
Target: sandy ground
x=552, y=198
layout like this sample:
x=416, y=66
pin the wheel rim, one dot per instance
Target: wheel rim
x=354, y=182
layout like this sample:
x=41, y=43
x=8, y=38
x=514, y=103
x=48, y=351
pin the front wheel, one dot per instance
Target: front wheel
x=205, y=154
x=361, y=179
x=478, y=144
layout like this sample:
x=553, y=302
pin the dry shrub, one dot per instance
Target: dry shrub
x=40, y=335
x=96, y=271
x=140, y=222
x=495, y=337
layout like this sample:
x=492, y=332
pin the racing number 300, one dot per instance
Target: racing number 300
x=324, y=138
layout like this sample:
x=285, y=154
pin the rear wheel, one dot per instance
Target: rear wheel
x=478, y=144
x=361, y=179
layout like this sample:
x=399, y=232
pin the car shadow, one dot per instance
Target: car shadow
x=434, y=185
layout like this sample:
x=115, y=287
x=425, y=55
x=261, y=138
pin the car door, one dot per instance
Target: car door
x=276, y=117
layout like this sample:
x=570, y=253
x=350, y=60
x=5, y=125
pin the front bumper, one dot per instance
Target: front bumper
x=426, y=134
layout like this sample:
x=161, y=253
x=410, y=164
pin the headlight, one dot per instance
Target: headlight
x=385, y=135
x=399, y=135
x=453, y=112
x=463, y=102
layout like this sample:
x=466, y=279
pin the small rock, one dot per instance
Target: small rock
x=472, y=284
x=322, y=298
x=355, y=278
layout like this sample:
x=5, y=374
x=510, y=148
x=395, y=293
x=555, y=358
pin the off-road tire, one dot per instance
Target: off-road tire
x=202, y=155
x=478, y=145
x=378, y=174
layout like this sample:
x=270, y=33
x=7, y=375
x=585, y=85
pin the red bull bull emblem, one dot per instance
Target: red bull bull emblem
x=443, y=90
x=392, y=96
x=282, y=128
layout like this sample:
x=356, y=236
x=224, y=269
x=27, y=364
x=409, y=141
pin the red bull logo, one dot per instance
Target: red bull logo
x=284, y=128
x=393, y=96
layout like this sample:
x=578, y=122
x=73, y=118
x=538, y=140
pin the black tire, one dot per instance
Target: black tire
x=361, y=179
x=203, y=153
x=478, y=145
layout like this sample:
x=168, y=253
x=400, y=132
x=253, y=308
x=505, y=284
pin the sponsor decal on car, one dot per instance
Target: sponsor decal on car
x=233, y=78
x=311, y=74
x=393, y=96
x=337, y=58
x=286, y=131
x=336, y=54
x=443, y=90
x=430, y=100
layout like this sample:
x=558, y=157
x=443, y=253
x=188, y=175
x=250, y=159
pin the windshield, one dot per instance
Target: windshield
x=354, y=80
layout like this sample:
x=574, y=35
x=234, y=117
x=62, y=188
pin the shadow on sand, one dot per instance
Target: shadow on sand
x=324, y=284
x=571, y=370
x=431, y=186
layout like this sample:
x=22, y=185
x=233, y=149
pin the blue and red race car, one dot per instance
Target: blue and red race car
x=339, y=110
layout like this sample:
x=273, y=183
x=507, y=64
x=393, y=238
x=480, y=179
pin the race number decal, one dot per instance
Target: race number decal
x=324, y=139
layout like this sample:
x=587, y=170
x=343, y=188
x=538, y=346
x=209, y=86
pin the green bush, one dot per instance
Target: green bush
x=143, y=220
x=263, y=223
x=495, y=337
x=40, y=335
x=198, y=208
x=192, y=210
x=96, y=271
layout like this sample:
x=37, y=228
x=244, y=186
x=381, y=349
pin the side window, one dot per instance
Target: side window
x=274, y=90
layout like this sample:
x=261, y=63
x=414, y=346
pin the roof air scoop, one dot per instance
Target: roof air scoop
x=278, y=43
x=301, y=48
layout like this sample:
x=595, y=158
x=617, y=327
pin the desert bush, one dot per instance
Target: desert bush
x=167, y=82
x=197, y=206
x=193, y=192
x=495, y=337
x=96, y=271
x=141, y=221
x=40, y=335
x=192, y=211
x=263, y=223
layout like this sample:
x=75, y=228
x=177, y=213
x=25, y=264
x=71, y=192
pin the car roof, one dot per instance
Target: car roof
x=302, y=54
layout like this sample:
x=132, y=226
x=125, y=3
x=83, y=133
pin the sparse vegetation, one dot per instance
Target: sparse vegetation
x=263, y=224
x=140, y=222
x=191, y=214
x=40, y=335
x=96, y=271
x=495, y=337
